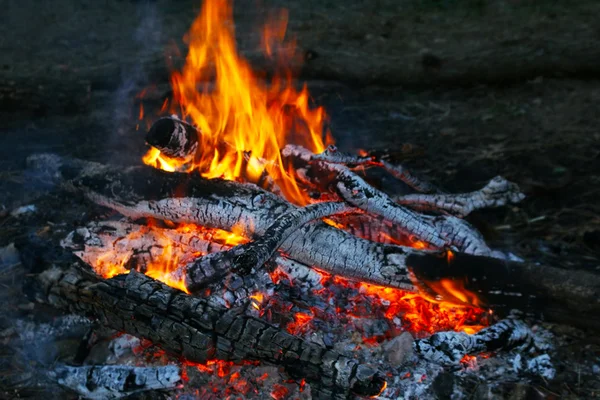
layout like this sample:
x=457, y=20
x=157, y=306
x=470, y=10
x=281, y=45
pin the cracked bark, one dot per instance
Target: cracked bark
x=449, y=348
x=439, y=231
x=114, y=381
x=571, y=296
x=190, y=326
x=249, y=257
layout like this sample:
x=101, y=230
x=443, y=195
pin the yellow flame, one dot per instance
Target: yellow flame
x=243, y=121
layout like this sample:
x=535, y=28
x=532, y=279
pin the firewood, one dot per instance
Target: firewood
x=173, y=137
x=332, y=155
x=251, y=256
x=114, y=381
x=449, y=348
x=180, y=140
x=497, y=192
x=441, y=231
x=137, y=246
x=138, y=192
x=189, y=326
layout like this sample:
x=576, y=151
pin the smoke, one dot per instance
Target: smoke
x=135, y=76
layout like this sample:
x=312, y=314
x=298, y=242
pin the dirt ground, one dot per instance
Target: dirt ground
x=515, y=94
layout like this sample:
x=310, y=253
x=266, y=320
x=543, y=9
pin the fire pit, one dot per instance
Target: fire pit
x=249, y=257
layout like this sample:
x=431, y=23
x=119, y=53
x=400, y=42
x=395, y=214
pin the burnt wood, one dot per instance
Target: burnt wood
x=449, y=348
x=249, y=257
x=173, y=137
x=440, y=231
x=188, y=326
x=558, y=294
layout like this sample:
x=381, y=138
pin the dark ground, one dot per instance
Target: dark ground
x=516, y=95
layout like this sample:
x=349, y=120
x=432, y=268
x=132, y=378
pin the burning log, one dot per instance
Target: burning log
x=115, y=381
x=442, y=231
x=449, y=348
x=179, y=140
x=116, y=243
x=173, y=137
x=189, y=326
x=251, y=256
x=138, y=192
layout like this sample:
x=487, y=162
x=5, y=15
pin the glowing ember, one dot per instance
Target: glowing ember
x=299, y=323
x=241, y=114
x=279, y=392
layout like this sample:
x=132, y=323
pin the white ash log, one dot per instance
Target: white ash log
x=115, y=381
x=333, y=155
x=249, y=257
x=497, y=192
x=439, y=231
x=449, y=348
x=189, y=326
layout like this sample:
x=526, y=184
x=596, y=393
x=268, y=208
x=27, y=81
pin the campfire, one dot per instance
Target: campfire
x=250, y=257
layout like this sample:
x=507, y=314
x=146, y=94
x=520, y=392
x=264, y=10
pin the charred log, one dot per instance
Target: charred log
x=251, y=256
x=173, y=137
x=497, y=193
x=449, y=348
x=114, y=381
x=563, y=295
x=442, y=231
x=192, y=327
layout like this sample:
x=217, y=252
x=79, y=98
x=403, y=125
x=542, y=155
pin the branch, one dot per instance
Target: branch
x=332, y=155
x=441, y=231
x=497, y=193
x=251, y=256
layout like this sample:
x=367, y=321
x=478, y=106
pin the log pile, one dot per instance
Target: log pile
x=211, y=312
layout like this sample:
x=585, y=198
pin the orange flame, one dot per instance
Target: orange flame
x=257, y=300
x=425, y=315
x=243, y=122
x=300, y=321
x=112, y=263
